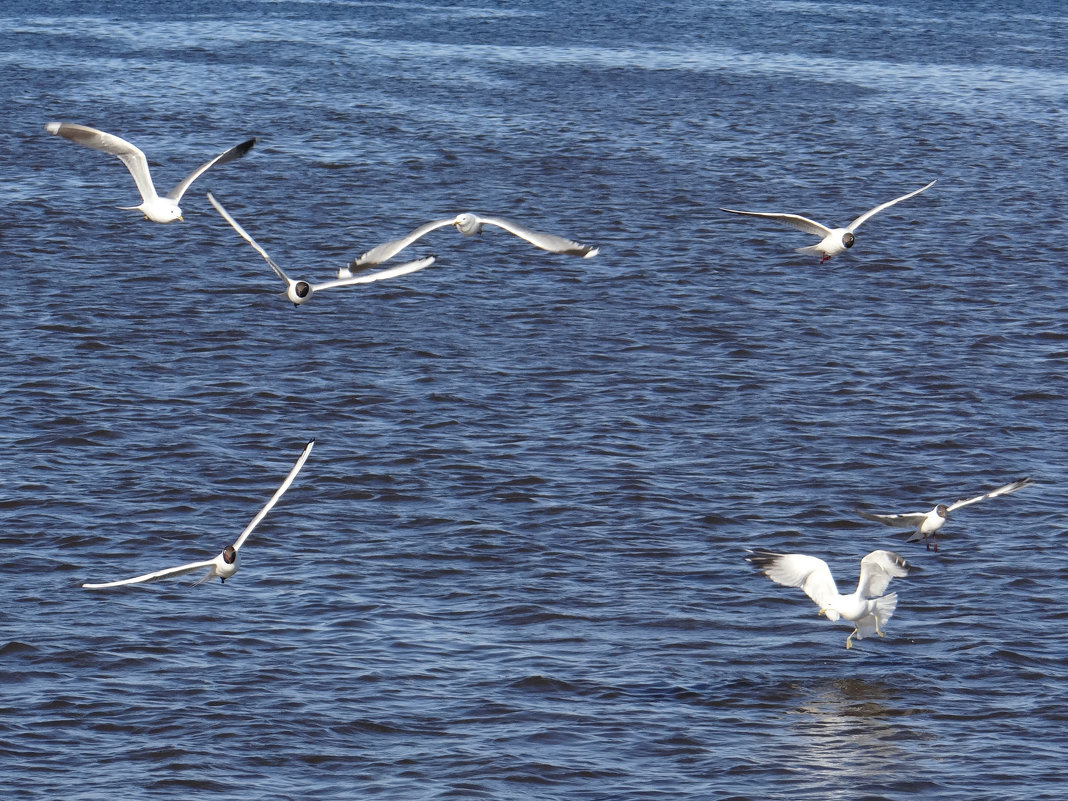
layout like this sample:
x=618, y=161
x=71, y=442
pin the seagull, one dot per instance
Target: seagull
x=832, y=240
x=225, y=564
x=867, y=608
x=925, y=525
x=301, y=291
x=155, y=208
x=470, y=224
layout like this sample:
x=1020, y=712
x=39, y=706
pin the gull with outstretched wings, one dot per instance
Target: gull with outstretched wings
x=832, y=240
x=867, y=607
x=225, y=564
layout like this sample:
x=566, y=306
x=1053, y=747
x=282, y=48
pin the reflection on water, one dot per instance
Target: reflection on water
x=851, y=728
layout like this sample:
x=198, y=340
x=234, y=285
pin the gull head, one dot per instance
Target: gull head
x=830, y=613
x=299, y=292
x=848, y=239
x=468, y=224
x=942, y=511
x=226, y=563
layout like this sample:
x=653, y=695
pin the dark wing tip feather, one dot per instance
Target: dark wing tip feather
x=762, y=560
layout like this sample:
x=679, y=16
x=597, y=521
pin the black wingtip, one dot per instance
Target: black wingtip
x=761, y=559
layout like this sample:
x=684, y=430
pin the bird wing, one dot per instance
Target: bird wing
x=129, y=155
x=366, y=278
x=1005, y=490
x=388, y=250
x=244, y=235
x=793, y=220
x=277, y=494
x=876, y=570
x=549, y=242
x=159, y=574
x=809, y=573
x=904, y=520
x=235, y=152
x=860, y=220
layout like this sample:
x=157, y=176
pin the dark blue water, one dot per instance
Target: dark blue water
x=513, y=566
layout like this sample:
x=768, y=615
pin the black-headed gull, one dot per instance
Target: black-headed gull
x=301, y=291
x=470, y=224
x=832, y=240
x=925, y=525
x=225, y=564
x=867, y=608
x=155, y=208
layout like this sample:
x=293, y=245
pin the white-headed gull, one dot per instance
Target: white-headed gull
x=225, y=564
x=158, y=209
x=867, y=608
x=470, y=224
x=925, y=525
x=832, y=240
x=301, y=291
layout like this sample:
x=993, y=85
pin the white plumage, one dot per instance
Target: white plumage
x=926, y=525
x=226, y=563
x=832, y=240
x=159, y=209
x=867, y=607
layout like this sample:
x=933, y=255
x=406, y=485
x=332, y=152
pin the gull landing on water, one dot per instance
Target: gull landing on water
x=155, y=208
x=867, y=608
x=832, y=240
x=926, y=525
x=470, y=224
x=225, y=564
x=301, y=291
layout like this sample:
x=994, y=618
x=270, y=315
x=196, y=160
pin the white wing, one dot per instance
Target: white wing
x=549, y=242
x=381, y=275
x=235, y=152
x=277, y=494
x=1005, y=490
x=159, y=574
x=809, y=573
x=793, y=220
x=244, y=235
x=129, y=155
x=904, y=520
x=388, y=250
x=876, y=570
x=860, y=220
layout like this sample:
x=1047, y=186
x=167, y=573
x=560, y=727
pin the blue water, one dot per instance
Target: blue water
x=513, y=566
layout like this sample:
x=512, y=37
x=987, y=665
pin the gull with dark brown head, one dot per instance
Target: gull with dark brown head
x=832, y=240
x=925, y=525
x=299, y=291
x=225, y=564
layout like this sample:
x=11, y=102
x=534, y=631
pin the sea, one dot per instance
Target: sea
x=514, y=565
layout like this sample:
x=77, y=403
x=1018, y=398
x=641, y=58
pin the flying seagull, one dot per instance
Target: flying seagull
x=832, y=240
x=158, y=209
x=925, y=525
x=301, y=291
x=225, y=564
x=867, y=608
x=470, y=224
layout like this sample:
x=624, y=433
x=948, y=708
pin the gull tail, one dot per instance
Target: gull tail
x=875, y=623
x=206, y=577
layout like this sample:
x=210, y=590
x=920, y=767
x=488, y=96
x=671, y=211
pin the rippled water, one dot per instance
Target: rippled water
x=513, y=566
